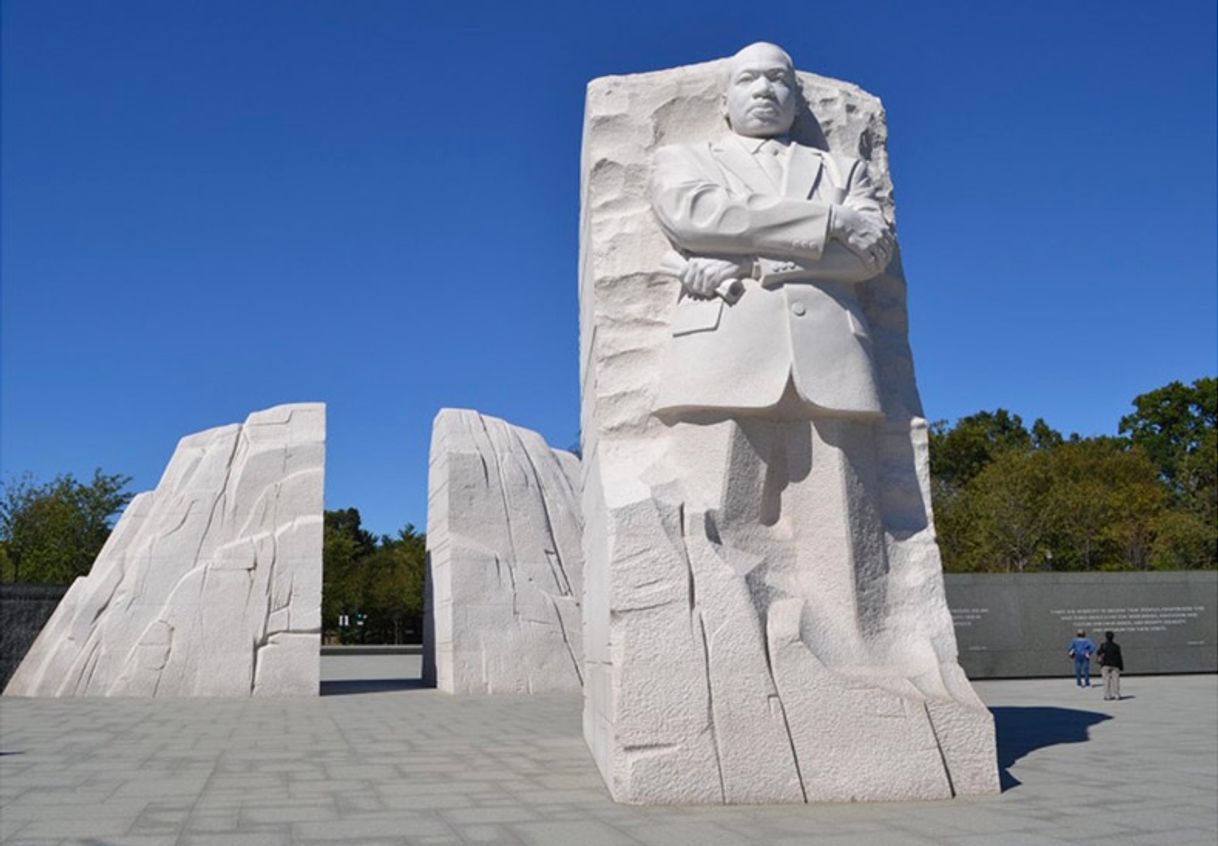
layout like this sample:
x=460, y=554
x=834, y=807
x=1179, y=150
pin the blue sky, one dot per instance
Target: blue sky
x=211, y=208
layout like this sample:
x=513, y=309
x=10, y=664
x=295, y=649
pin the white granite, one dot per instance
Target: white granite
x=504, y=563
x=209, y=585
x=764, y=610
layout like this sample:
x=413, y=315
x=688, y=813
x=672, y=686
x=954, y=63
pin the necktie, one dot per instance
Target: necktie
x=769, y=156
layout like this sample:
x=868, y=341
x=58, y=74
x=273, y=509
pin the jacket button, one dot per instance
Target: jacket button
x=798, y=309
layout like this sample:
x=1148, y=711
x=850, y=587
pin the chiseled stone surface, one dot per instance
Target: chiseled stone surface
x=504, y=571
x=210, y=585
x=734, y=654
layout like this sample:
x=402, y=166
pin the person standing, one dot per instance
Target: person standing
x=1081, y=649
x=1111, y=666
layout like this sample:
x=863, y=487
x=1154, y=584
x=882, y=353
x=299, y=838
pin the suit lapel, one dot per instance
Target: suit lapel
x=803, y=171
x=734, y=156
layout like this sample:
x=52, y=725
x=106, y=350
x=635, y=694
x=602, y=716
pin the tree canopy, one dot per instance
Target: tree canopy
x=1009, y=499
x=378, y=578
x=1177, y=427
x=51, y=532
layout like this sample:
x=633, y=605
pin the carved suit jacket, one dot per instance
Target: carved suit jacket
x=799, y=317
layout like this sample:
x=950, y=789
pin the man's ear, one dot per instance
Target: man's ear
x=723, y=109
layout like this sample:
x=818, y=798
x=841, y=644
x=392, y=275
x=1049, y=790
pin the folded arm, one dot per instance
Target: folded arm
x=846, y=242
x=705, y=217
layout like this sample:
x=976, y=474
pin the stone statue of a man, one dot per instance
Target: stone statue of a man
x=764, y=614
x=802, y=226
x=768, y=379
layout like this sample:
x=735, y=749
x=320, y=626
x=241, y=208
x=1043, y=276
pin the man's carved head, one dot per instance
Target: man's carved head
x=761, y=94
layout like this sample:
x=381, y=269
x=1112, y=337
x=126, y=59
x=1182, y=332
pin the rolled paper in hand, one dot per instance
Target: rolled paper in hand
x=674, y=264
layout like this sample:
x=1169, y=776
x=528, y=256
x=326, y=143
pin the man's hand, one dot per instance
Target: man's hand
x=703, y=275
x=870, y=241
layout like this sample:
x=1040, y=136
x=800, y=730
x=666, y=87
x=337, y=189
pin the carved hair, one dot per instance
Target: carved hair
x=755, y=45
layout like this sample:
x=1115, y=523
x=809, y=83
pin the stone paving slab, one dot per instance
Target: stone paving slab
x=384, y=761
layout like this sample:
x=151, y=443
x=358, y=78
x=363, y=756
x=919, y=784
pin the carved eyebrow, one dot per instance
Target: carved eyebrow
x=779, y=72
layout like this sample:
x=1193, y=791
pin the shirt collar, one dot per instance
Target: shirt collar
x=755, y=144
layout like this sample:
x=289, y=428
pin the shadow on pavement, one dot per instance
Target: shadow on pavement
x=1021, y=730
x=354, y=686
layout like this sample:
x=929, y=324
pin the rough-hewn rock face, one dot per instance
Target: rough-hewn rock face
x=703, y=683
x=209, y=585
x=504, y=571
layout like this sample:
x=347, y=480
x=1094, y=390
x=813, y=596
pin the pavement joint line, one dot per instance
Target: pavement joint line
x=1076, y=768
x=190, y=814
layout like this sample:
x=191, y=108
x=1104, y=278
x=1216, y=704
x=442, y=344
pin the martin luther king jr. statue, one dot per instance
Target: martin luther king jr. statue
x=769, y=375
x=764, y=611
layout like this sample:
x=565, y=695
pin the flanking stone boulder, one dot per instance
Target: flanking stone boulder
x=210, y=585
x=504, y=560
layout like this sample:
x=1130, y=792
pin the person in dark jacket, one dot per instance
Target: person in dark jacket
x=1111, y=666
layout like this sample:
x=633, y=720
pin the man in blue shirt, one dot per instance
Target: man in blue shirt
x=1081, y=649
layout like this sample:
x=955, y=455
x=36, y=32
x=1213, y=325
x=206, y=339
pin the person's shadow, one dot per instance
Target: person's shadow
x=1024, y=729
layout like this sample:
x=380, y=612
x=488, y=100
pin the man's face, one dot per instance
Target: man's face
x=760, y=96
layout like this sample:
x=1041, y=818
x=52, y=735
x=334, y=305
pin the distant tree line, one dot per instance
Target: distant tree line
x=1011, y=499
x=1007, y=498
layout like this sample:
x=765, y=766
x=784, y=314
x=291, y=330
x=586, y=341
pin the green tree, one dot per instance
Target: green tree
x=1183, y=541
x=958, y=453
x=1106, y=500
x=394, y=595
x=1177, y=426
x=969, y=537
x=381, y=578
x=345, y=544
x=1010, y=519
x=1171, y=422
x=52, y=532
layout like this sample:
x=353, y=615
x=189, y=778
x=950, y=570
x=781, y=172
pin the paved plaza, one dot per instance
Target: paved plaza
x=380, y=760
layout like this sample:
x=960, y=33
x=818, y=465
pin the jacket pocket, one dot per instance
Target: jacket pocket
x=696, y=316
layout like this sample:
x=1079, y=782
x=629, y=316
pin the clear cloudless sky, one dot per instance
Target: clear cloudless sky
x=211, y=208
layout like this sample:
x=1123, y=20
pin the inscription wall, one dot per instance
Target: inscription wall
x=24, y=610
x=1018, y=625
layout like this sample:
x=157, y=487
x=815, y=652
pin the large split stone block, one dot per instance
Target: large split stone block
x=764, y=609
x=504, y=562
x=209, y=585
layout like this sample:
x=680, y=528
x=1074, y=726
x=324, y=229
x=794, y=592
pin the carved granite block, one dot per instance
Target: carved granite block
x=209, y=585
x=504, y=563
x=763, y=604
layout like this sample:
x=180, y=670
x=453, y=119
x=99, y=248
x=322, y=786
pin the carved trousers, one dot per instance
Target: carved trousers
x=797, y=493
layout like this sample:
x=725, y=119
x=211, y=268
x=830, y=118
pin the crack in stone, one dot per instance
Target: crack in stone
x=507, y=515
x=562, y=628
x=939, y=746
x=211, y=515
x=545, y=512
x=264, y=640
x=710, y=707
x=782, y=709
